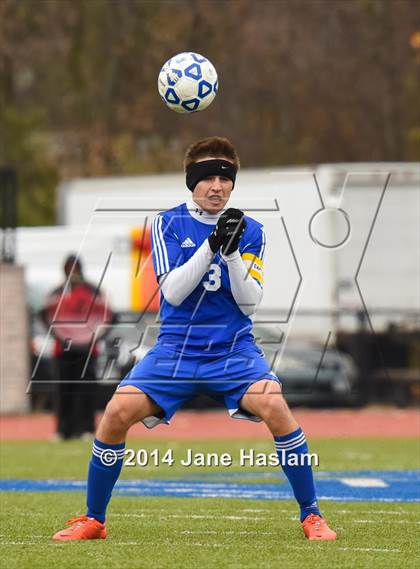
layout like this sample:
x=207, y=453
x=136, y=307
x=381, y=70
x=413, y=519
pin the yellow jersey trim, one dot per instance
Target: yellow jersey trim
x=253, y=258
x=256, y=275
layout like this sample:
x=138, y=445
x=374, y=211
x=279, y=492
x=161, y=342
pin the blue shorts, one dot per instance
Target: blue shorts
x=171, y=378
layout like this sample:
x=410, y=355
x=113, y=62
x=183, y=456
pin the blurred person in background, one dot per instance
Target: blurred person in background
x=73, y=312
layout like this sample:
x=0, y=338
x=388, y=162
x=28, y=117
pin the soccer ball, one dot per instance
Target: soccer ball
x=188, y=83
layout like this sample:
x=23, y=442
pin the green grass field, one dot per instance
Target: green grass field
x=186, y=533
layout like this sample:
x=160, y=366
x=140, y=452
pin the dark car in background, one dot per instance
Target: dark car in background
x=311, y=374
x=312, y=377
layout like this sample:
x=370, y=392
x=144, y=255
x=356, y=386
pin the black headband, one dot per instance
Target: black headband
x=214, y=167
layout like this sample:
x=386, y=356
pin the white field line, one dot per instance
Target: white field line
x=382, y=521
x=148, y=515
x=206, y=532
x=51, y=542
x=147, y=511
x=213, y=532
x=129, y=543
x=360, y=482
x=376, y=512
x=260, y=511
x=19, y=543
x=197, y=543
x=332, y=498
x=200, y=544
x=155, y=511
x=204, y=517
x=274, y=511
x=370, y=549
x=32, y=514
x=188, y=516
x=151, y=513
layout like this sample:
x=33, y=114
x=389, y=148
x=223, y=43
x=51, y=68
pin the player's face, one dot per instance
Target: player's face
x=212, y=193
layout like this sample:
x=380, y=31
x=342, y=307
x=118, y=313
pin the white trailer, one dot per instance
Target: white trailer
x=339, y=237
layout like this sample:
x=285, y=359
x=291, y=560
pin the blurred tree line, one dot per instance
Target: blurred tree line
x=301, y=82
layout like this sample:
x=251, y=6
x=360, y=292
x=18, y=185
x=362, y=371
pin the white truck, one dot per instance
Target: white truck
x=340, y=238
x=342, y=245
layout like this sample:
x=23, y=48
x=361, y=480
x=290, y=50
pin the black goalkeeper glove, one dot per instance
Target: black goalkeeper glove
x=235, y=226
x=225, y=229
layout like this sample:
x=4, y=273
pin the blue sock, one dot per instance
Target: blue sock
x=104, y=470
x=299, y=475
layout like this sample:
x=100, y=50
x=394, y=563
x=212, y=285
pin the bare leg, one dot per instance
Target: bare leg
x=127, y=406
x=264, y=399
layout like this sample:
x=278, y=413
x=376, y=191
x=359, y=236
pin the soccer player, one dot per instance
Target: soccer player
x=209, y=265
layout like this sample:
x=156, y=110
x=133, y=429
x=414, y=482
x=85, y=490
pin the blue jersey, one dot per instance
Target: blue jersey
x=209, y=319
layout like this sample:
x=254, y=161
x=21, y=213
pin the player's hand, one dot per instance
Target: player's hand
x=224, y=228
x=234, y=228
x=218, y=234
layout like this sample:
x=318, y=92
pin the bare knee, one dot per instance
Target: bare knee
x=117, y=414
x=116, y=421
x=274, y=407
x=276, y=414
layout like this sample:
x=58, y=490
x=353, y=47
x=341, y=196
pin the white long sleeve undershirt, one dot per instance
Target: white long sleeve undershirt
x=245, y=289
x=180, y=282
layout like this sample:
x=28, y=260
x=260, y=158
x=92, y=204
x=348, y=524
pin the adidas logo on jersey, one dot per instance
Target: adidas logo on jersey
x=188, y=243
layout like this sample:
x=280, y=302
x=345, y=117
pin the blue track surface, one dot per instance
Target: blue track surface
x=371, y=485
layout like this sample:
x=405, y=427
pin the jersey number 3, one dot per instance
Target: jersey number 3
x=214, y=281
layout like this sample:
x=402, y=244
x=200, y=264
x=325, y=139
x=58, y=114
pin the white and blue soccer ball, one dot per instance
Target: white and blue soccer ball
x=188, y=82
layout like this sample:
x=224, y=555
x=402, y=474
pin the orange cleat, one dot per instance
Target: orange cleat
x=316, y=527
x=81, y=527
